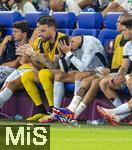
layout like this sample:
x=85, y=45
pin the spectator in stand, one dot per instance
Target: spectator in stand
x=4, y=6
x=23, y=6
x=35, y=4
x=43, y=3
x=65, y=5
x=118, y=6
x=97, y=5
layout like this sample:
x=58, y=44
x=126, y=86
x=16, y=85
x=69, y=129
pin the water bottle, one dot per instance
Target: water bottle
x=95, y=122
x=18, y=117
x=74, y=122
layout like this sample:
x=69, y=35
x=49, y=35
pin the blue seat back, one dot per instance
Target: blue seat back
x=92, y=32
x=90, y=20
x=65, y=20
x=7, y=18
x=111, y=20
x=32, y=18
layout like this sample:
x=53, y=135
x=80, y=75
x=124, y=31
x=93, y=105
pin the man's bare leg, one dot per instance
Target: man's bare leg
x=129, y=85
x=79, y=76
x=9, y=89
x=81, y=93
x=88, y=97
x=77, y=105
x=109, y=91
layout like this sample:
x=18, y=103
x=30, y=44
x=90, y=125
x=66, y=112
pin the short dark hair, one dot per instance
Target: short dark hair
x=47, y=20
x=128, y=22
x=23, y=26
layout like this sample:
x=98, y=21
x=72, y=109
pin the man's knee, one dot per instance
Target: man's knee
x=13, y=85
x=10, y=84
x=81, y=75
x=96, y=82
x=59, y=76
x=103, y=83
x=27, y=76
x=87, y=81
x=45, y=74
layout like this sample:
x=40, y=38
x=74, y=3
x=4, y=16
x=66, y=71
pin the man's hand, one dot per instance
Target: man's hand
x=105, y=71
x=64, y=48
x=117, y=81
x=25, y=50
x=60, y=53
x=35, y=35
x=7, y=39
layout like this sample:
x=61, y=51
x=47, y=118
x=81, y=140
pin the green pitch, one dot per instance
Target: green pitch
x=86, y=137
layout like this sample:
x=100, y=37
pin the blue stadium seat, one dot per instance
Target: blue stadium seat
x=8, y=17
x=93, y=32
x=70, y=86
x=65, y=31
x=90, y=20
x=106, y=35
x=89, y=23
x=66, y=21
x=111, y=19
x=32, y=18
x=44, y=10
x=9, y=31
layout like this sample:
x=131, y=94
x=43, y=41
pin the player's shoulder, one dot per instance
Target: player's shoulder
x=128, y=44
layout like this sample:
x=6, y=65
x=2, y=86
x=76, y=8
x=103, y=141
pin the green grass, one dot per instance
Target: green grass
x=87, y=137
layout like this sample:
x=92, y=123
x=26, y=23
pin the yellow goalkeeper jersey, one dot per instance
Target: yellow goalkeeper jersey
x=47, y=48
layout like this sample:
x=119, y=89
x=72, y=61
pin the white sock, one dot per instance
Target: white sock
x=5, y=95
x=74, y=103
x=59, y=91
x=79, y=110
x=77, y=85
x=121, y=109
x=121, y=117
x=116, y=102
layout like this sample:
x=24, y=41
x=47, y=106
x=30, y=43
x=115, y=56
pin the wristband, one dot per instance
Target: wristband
x=69, y=54
x=127, y=77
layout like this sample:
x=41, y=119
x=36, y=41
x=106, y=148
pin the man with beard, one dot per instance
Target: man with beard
x=44, y=43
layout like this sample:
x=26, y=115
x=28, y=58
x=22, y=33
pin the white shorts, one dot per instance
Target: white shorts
x=5, y=72
x=15, y=74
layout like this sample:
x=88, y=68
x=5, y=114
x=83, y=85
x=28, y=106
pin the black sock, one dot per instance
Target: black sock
x=41, y=109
